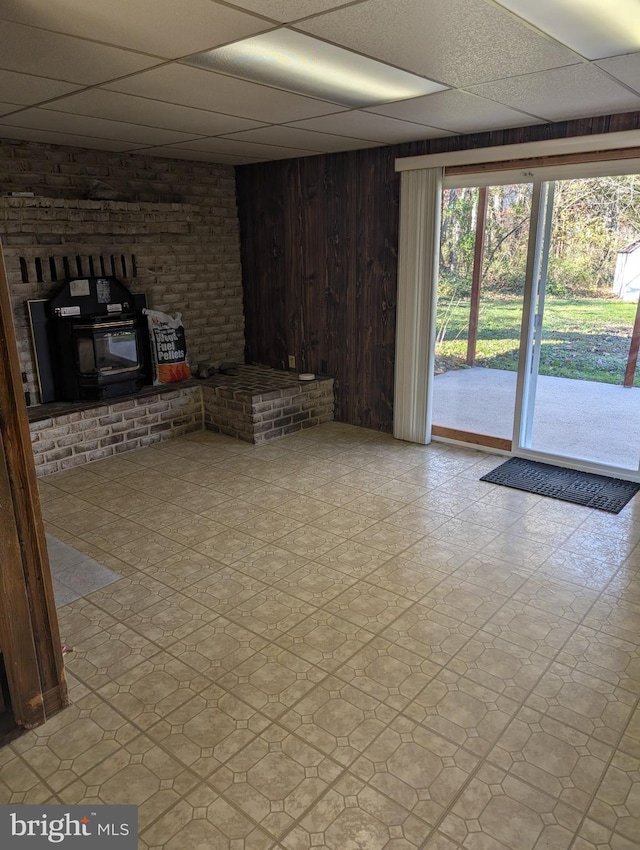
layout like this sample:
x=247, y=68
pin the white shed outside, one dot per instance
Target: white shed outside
x=626, y=280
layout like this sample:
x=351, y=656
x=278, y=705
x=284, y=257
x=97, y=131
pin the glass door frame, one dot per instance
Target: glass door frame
x=539, y=230
x=537, y=288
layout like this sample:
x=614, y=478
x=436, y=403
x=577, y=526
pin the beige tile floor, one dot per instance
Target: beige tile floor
x=343, y=641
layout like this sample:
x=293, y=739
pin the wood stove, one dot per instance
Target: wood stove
x=90, y=341
x=106, y=357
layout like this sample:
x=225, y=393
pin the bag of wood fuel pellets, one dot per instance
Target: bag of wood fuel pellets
x=168, y=347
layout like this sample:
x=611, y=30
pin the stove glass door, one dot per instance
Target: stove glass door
x=116, y=351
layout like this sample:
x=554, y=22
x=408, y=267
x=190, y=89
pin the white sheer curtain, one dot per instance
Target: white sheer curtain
x=418, y=254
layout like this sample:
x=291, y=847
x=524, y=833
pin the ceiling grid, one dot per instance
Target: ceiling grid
x=250, y=80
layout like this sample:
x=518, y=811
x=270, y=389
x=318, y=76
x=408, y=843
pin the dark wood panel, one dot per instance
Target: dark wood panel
x=263, y=241
x=319, y=259
x=312, y=268
x=336, y=344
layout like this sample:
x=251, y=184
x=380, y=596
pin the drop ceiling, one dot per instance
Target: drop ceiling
x=132, y=75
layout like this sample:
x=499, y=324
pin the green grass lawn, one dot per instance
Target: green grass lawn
x=586, y=338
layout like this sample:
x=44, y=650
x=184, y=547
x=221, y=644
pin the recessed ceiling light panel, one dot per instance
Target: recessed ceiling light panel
x=305, y=65
x=593, y=28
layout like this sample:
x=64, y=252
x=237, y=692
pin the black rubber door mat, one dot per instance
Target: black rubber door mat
x=569, y=485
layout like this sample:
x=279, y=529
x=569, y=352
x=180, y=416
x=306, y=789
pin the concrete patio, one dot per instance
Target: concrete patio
x=579, y=419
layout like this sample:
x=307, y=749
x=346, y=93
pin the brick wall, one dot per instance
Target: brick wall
x=262, y=416
x=177, y=218
x=73, y=439
x=69, y=439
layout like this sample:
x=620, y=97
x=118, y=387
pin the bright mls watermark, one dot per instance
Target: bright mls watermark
x=39, y=827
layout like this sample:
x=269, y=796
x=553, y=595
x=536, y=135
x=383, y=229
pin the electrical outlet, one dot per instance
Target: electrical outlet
x=292, y=361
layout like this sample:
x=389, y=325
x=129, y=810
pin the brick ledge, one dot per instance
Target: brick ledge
x=39, y=412
x=252, y=380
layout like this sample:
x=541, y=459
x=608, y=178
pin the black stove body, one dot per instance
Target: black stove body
x=90, y=340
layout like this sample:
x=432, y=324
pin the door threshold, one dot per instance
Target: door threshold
x=472, y=438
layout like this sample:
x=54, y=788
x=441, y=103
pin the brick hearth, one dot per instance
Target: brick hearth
x=258, y=405
x=261, y=404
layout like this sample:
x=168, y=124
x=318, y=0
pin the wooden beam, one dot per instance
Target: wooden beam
x=634, y=347
x=471, y=437
x=37, y=681
x=476, y=278
x=21, y=666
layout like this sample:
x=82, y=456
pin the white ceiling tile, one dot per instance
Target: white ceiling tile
x=62, y=57
x=61, y=122
x=26, y=89
x=456, y=42
x=624, y=68
x=163, y=27
x=206, y=90
x=288, y=10
x=242, y=148
x=101, y=103
x=593, y=29
x=27, y=134
x=6, y=108
x=563, y=93
x=306, y=139
x=197, y=156
x=456, y=111
x=375, y=128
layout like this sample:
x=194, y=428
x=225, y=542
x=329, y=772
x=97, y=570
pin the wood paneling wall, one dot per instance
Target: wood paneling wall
x=319, y=240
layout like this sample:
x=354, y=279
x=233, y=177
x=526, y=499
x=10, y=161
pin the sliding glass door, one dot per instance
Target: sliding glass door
x=538, y=322
x=482, y=270
x=578, y=404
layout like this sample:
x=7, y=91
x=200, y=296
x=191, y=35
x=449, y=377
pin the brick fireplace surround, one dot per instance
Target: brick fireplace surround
x=171, y=231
